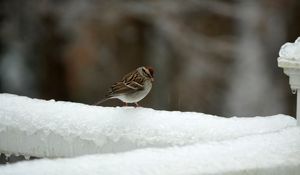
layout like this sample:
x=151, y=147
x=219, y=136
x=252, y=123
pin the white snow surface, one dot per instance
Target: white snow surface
x=142, y=141
x=291, y=50
x=63, y=129
x=275, y=153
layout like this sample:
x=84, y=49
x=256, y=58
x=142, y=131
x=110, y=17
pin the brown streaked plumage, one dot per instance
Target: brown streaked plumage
x=133, y=87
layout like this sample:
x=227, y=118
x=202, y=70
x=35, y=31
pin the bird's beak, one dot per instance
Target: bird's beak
x=152, y=79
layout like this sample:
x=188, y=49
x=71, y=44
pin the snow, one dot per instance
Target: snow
x=291, y=50
x=273, y=153
x=63, y=129
x=289, y=60
x=80, y=139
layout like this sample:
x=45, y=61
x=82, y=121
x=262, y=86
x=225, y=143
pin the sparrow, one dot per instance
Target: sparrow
x=133, y=87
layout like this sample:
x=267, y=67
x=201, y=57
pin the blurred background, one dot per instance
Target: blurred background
x=217, y=57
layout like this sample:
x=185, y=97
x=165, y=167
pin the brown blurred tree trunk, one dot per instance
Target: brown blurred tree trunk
x=51, y=61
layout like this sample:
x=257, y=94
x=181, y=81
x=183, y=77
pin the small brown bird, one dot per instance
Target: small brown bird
x=133, y=87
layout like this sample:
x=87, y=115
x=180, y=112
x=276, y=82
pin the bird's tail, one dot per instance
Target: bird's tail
x=101, y=101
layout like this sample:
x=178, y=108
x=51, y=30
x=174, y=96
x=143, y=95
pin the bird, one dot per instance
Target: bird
x=133, y=87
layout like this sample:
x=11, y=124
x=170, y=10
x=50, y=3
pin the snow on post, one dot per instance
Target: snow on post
x=50, y=129
x=289, y=60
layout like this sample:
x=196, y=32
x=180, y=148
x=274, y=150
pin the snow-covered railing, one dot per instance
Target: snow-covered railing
x=146, y=141
x=42, y=128
x=275, y=153
x=176, y=142
x=289, y=60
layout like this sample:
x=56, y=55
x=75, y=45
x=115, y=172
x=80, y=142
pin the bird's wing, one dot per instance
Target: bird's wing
x=130, y=76
x=123, y=87
x=136, y=84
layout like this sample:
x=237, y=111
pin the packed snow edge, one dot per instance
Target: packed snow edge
x=65, y=129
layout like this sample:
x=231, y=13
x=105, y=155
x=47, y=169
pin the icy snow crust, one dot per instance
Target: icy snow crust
x=64, y=129
x=275, y=153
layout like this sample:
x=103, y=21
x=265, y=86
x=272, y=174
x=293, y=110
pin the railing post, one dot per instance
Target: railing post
x=291, y=67
x=289, y=60
x=298, y=107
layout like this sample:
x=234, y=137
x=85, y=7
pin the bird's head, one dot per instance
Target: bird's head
x=148, y=72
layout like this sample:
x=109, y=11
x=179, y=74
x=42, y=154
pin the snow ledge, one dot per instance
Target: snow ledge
x=275, y=153
x=42, y=128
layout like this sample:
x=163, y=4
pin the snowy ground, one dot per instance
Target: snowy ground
x=142, y=141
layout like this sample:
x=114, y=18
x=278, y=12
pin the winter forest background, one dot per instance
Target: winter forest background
x=217, y=57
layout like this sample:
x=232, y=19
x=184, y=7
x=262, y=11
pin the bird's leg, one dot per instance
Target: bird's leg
x=137, y=105
x=125, y=104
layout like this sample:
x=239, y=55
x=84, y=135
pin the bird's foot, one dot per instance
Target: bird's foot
x=137, y=105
